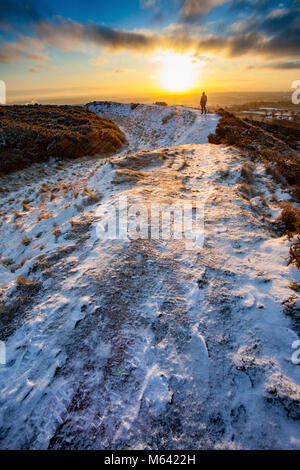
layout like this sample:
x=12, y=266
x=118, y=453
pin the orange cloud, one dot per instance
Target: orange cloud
x=98, y=61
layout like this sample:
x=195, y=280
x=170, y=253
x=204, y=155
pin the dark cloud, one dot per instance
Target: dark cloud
x=277, y=20
x=68, y=34
x=23, y=11
x=246, y=5
x=259, y=7
x=284, y=65
x=289, y=65
x=280, y=20
x=118, y=39
x=192, y=10
x=275, y=36
x=281, y=45
x=244, y=43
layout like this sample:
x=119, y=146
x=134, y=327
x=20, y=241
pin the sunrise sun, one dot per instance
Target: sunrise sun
x=178, y=72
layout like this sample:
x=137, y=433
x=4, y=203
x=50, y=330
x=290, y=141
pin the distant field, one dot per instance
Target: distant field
x=214, y=99
x=281, y=113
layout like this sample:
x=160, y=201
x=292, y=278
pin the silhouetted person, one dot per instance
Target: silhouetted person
x=203, y=102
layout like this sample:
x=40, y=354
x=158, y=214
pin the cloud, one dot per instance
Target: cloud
x=193, y=9
x=24, y=48
x=121, y=70
x=70, y=35
x=20, y=15
x=97, y=61
x=32, y=69
x=148, y=3
x=259, y=7
x=19, y=9
x=291, y=65
x=277, y=20
x=261, y=37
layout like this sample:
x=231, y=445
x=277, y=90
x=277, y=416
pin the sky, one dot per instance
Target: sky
x=69, y=50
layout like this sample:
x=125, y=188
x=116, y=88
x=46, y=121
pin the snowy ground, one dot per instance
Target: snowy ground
x=143, y=344
x=151, y=126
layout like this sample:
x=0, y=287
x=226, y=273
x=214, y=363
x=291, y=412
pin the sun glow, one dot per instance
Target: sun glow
x=178, y=72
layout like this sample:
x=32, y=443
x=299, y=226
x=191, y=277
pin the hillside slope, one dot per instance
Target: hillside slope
x=37, y=133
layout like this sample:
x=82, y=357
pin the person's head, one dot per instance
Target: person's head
x=203, y=93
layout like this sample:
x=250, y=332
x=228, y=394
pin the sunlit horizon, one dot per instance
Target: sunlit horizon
x=143, y=50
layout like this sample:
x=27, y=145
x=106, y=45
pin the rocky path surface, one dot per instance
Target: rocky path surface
x=143, y=343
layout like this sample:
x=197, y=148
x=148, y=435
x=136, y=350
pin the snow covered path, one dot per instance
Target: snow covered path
x=143, y=344
x=154, y=126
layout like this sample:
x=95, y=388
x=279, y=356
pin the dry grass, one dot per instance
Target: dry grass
x=24, y=281
x=81, y=226
x=34, y=134
x=91, y=197
x=56, y=232
x=15, y=311
x=44, y=188
x=247, y=190
x=25, y=205
x=91, y=194
x=26, y=241
x=44, y=216
x=6, y=262
x=22, y=262
x=17, y=214
x=247, y=173
x=281, y=161
x=167, y=118
x=295, y=253
x=290, y=219
x=272, y=170
x=295, y=286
